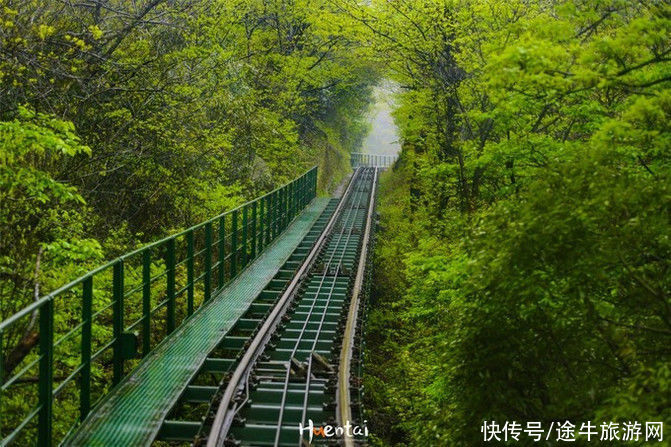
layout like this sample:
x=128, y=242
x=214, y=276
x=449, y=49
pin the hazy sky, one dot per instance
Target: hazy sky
x=383, y=136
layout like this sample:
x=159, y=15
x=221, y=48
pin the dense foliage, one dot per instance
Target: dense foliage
x=523, y=265
x=522, y=271
x=123, y=121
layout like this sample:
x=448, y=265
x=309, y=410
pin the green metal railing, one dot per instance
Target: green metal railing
x=358, y=160
x=94, y=330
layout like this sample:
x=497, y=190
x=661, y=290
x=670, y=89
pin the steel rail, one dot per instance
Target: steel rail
x=302, y=333
x=343, y=404
x=350, y=217
x=226, y=411
x=354, y=207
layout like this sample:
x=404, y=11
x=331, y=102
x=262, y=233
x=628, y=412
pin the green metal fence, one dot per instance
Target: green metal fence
x=358, y=160
x=96, y=329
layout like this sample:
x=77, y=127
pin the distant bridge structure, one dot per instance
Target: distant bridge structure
x=359, y=160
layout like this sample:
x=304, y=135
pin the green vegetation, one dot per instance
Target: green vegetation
x=122, y=122
x=522, y=269
x=523, y=265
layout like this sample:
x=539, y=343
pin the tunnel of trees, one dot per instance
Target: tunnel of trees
x=522, y=267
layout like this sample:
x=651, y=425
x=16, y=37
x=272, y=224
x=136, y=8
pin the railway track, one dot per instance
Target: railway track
x=287, y=362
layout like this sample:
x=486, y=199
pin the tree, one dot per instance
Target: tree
x=43, y=218
x=531, y=237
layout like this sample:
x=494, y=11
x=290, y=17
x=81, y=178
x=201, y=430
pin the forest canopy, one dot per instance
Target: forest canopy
x=122, y=122
x=522, y=271
x=522, y=266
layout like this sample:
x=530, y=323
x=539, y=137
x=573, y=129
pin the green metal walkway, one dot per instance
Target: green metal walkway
x=133, y=412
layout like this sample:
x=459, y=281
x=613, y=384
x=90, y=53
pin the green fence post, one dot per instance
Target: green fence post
x=261, y=224
x=301, y=190
x=117, y=293
x=303, y=183
x=170, y=284
x=306, y=188
x=87, y=311
x=46, y=372
x=245, y=225
x=278, y=212
x=146, y=302
x=234, y=243
x=297, y=195
x=222, y=252
x=287, y=205
x=298, y=202
x=207, y=286
x=189, y=273
x=267, y=219
x=314, y=184
x=282, y=208
x=268, y=216
x=273, y=216
x=290, y=189
x=254, y=235
x=292, y=200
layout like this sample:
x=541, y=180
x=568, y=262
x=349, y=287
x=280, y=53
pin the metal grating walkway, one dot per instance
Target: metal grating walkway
x=133, y=412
